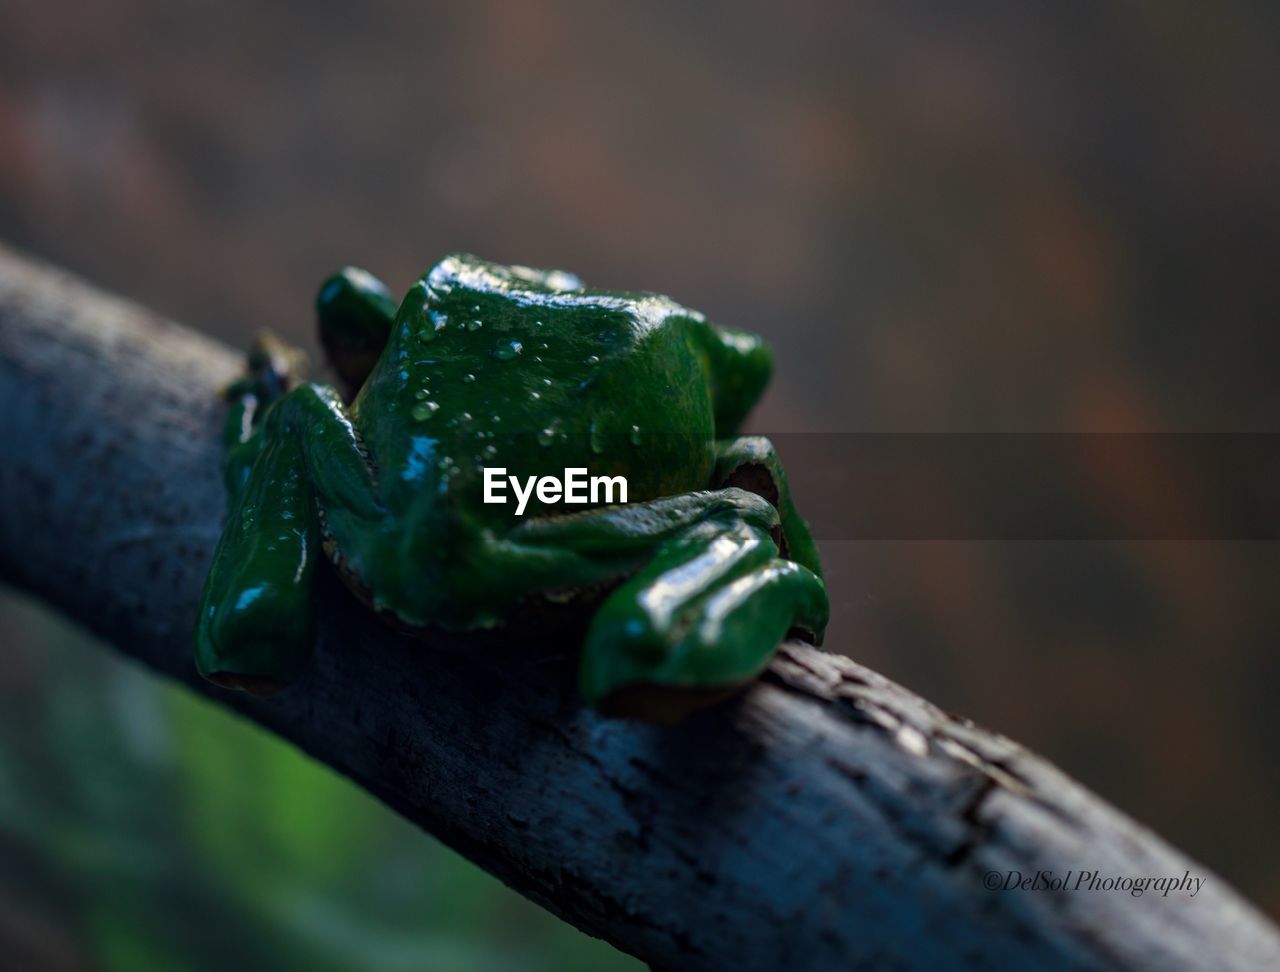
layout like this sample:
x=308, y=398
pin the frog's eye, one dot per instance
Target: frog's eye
x=355, y=311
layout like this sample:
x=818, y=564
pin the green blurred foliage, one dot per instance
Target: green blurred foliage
x=143, y=828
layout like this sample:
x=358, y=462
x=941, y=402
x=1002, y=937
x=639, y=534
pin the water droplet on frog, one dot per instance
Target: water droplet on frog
x=537, y=359
x=425, y=410
x=468, y=378
x=547, y=436
x=534, y=396
x=475, y=324
x=594, y=359
x=596, y=438
x=635, y=435
x=490, y=451
x=547, y=382
x=507, y=351
x=465, y=416
x=420, y=393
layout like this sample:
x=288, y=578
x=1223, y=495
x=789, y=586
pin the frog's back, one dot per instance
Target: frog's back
x=528, y=370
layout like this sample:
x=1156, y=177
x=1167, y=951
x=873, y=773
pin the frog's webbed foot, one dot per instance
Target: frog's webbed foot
x=355, y=312
x=706, y=612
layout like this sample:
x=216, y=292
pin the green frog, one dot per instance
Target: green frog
x=692, y=581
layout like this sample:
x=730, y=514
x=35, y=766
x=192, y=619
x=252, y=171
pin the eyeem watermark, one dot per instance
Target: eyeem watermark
x=1092, y=881
x=575, y=487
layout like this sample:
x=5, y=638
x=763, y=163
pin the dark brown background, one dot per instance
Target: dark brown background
x=1019, y=217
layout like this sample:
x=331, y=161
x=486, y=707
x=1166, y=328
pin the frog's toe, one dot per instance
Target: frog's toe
x=261, y=687
x=261, y=668
x=248, y=642
x=273, y=369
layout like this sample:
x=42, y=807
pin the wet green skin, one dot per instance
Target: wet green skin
x=487, y=365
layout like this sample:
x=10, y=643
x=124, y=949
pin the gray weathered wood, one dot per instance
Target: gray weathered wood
x=830, y=819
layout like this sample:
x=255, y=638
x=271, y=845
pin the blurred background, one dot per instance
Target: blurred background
x=1015, y=218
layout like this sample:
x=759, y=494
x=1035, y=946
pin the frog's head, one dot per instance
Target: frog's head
x=472, y=275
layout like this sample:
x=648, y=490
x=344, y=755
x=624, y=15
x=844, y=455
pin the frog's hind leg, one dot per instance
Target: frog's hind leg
x=701, y=619
x=706, y=610
x=355, y=312
x=255, y=626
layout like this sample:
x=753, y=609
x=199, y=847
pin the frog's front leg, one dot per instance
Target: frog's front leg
x=705, y=613
x=273, y=369
x=255, y=626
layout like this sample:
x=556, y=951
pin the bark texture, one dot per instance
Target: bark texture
x=828, y=819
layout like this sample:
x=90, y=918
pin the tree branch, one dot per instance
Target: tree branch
x=830, y=819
